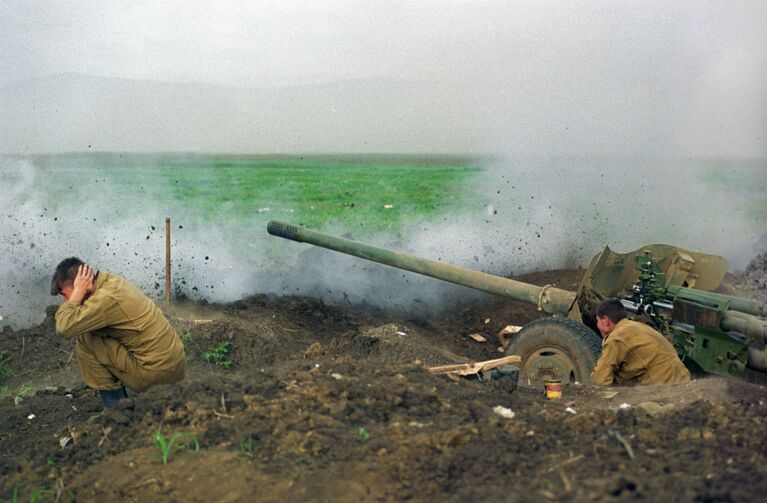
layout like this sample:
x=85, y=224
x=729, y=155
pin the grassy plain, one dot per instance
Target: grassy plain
x=361, y=192
x=367, y=193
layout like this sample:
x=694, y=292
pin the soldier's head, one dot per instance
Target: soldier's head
x=64, y=276
x=608, y=313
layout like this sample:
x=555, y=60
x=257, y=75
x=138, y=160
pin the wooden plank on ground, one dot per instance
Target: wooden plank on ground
x=465, y=369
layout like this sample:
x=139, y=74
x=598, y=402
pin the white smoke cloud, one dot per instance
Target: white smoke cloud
x=533, y=214
x=523, y=215
x=51, y=213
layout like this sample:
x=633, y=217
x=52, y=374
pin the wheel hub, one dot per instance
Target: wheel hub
x=549, y=362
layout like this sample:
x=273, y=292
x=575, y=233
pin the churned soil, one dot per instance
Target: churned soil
x=317, y=403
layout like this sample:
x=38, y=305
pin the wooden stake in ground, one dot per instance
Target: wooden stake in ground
x=167, y=261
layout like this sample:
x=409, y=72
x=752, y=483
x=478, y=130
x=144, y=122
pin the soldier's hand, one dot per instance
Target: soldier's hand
x=83, y=283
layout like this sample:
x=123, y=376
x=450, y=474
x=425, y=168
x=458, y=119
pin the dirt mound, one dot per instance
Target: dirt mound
x=751, y=282
x=288, y=399
x=754, y=278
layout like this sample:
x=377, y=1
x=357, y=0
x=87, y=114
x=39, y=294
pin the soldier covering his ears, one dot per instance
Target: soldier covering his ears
x=122, y=338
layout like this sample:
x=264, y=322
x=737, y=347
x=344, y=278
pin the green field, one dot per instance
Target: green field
x=314, y=192
x=531, y=206
x=369, y=193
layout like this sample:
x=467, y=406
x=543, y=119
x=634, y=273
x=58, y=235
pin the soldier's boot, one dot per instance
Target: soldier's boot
x=110, y=397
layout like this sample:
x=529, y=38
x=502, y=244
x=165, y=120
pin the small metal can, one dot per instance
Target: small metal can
x=553, y=389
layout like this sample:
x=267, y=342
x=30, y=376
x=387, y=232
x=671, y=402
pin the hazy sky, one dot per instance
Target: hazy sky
x=597, y=66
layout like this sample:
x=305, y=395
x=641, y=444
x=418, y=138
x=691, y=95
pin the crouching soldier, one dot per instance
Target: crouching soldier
x=632, y=352
x=122, y=338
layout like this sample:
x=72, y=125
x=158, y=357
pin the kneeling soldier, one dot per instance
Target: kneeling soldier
x=632, y=352
x=123, y=339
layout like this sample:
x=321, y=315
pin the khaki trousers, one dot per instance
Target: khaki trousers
x=106, y=364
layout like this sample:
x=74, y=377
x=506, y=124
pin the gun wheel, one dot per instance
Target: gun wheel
x=555, y=348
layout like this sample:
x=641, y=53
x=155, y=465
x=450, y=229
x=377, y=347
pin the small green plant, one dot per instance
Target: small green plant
x=33, y=496
x=186, y=338
x=190, y=441
x=164, y=444
x=36, y=494
x=23, y=391
x=219, y=355
x=178, y=440
x=247, y=445
x=363, y=433
x=5, y=372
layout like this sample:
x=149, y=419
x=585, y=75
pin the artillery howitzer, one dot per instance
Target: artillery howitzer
x=665, y=286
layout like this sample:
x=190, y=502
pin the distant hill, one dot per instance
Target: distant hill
x=72, y=112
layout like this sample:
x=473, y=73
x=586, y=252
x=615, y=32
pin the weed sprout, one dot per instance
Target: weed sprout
x=247, y=445
x=33, y=496
x=164, y=444
x=218, y=355
x=180, y=440
x=5, y=372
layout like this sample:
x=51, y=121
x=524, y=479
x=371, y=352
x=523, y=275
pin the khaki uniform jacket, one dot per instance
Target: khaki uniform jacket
x=117, y=309
x=634, y=353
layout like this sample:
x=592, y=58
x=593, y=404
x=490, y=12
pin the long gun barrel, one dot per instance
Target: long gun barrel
x=547, y=298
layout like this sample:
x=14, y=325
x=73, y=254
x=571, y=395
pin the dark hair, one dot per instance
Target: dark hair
x=65, y=273
x=612, y=308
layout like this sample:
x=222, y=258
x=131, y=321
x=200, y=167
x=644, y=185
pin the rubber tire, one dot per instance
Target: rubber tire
x=576, y=340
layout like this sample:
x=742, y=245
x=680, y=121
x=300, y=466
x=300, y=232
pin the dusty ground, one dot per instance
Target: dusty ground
x=322, y=404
